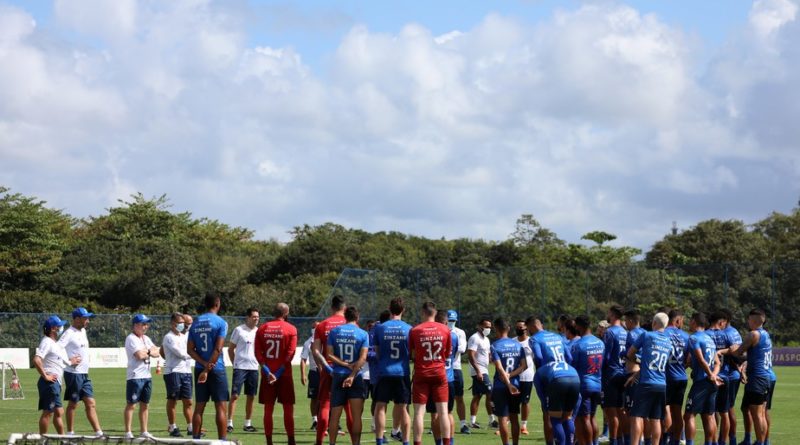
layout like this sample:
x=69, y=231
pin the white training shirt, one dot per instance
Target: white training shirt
x=480, y=345
x=176, y=359
x=137, y=369
x=244, y=356
x=527, y=374
x=75, y=343
x=305, y=354
x=462, y=346
x=54, y=357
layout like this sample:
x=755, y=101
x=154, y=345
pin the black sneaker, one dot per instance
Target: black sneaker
x=189, y=433
x=475, y=425
x=494, y=424
x=465, y=430
x=398, y=437
x=250, y=429
x=230, y=428
x=175, y=433
x=313, y=425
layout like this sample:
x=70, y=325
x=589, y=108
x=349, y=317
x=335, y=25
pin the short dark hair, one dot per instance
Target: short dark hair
x=573, y=328
x=250, y=311
x=632, y=315
x=337, y=302
x=351, y=314
x=428, y=308
x=211, y=300
x=726, y=314
x=616, y=310
x=583, y=322
x=759, y=313
x=531, y=319
x=396, y=306
x=384, y=316
x=700, y=319
x=480, y=322
x=714, y=317
x=673, y=314
x=500, y=324
x=563, y=318
x=441, y=317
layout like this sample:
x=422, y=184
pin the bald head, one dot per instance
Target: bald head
x=281, y=310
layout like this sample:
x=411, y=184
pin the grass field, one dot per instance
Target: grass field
x=21, y=415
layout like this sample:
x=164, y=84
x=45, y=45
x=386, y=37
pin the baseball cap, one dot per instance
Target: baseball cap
x=53, y=321
x=141, y=318
x=452, y=315
x=82, y=312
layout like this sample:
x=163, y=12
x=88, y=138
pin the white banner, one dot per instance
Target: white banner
x=18, y=357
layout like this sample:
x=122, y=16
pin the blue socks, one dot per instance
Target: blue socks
x=559, y=436
x=569, y=430
x=438, y=441
x=689, y=442
x=648, y=441
x=626, y=439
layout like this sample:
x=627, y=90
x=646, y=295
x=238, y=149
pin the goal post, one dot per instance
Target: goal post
x=12, y=386
x=57, y=439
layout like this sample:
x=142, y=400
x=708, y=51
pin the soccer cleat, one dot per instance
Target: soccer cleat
x=603, y=438
x=128, y=435
x=250, y=429
x=524, y=430
x=465, y=430
x=494, y=424
x=398, y=437
x=146, y=435
x=175, y=433
x=230, y=428
x=475, y=425
x=341, y=432
x=313, y=425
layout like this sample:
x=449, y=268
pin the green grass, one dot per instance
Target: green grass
x=21, y=415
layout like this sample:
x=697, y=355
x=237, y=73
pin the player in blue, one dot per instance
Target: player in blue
x=347, y=348
x=394, y=385
x=547, y=347
x=205, y=342
x=676, y=378
x=716, y=330
x=758, y=346
x=509, y=362
x=587, y=358
x=562, y=386
x=430, y=407
x=655, y=350
x=734, y=340
x=614, y=375
x=632, y=321
x=702, y=395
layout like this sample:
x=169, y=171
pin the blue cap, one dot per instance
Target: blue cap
x=141, y=318
x=82, y=312
x=452, y=315
x=53, y=321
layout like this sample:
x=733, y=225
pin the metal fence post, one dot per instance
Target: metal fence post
x=458, y=291
x=586, y=288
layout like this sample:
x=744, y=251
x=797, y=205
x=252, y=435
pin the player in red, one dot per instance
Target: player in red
x=275, y=345
x=430, y=344
x=324, y=367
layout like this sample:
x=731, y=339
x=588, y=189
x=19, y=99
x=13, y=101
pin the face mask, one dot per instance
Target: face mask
x=520, y=332
x=60, y=330
x=487, y=331
x=180, y=327
x=451, y=324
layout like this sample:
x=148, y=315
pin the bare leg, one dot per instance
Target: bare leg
x=222, y=421
x=70, y=415
x=514, y=418
x=637, y=426
x=127, y=417
x=44, y=421
x=144, y=415
x=248, y=408
x=171, y=404
x=91, y=413
x=419, y=420
x=333, y=423
x=187, y=410
x=197, y=419
x=356, y=408
x=380, y=419
x=58, y=420
x=232, y=406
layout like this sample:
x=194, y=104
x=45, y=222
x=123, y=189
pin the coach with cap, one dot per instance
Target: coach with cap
x=78, y=385
x=50, y=360
x=139, y=386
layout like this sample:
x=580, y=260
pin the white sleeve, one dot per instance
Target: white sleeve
x=65, y=337
x=235, y=336
x=462, y=342
x=43, y=348
x=130, y=345
x=472, y=344
x=304, y=352
x=171, y=347
x=148, y=343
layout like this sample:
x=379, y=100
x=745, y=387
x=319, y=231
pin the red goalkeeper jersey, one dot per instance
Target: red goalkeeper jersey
x=276, y=343
x=430, y=345
x=325, y=328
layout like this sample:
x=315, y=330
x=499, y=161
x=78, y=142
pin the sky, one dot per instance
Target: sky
x=439, y=119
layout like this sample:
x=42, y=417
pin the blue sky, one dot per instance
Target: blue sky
x=433, y=118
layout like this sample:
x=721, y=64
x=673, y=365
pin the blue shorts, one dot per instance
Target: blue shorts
x=215, y=387
x=458, y=383
x=540, y=392
x=525, y=389
x=179, y=385
x=577, y=405
x=49, y=395
x=392, y=388
x=340, y=395
x=702, y=397
x=138, y=391
x=589, y=402
x=479, y=387
x=676, y=391
x=649, y=401
x=756, y=391
x=77, y=387
x=563, y=393
x=504, y=403
x=313, y=384
x=769, y=394
x=733, y=392
x=247, y=378
x=630, y=394
x=614, y=392
x=723, y=402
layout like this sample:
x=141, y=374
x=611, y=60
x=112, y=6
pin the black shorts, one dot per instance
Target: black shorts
x=723, y=401
x=458, y=382
x=525, y=390
x=756, y=391
x=430, y=407
x=479, y=387
x=733, y=391
x=313, y=384
x=769, y=394
x=676, y=392
x=340, y=395
x=396, y=389
x=247, y=378
x=562, y=394
x=702, y=397
x=179, y=385
x=648, y=402
x=614, y=392
x=630, y=395
x=589, y=402
x=78, y=387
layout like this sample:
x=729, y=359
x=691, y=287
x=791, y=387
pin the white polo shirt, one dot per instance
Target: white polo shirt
x=75, y=343
x=176, y=358
x=54, y=357
x=137, y=369
x=245, y=354
x=462, y=346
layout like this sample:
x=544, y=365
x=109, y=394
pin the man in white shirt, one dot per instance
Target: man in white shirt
x=307, y=362
x=177, y=373
x=78, y=386
x=478, y=347
x=526, y=377
x=139, y=385
x=241, y=351
x=50, y=360
x=458, y=375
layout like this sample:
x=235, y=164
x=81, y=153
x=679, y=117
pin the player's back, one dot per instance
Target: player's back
x=587, y=359
x=614, y=340
x=276, y=342
x=391, y=338
x=549, y=347
x=324, y=329
x=549, y=372
x=347, y=341
x=630, y=340
x=702, y=341
x=430, y=343
x=721, y=342
x=205, y=331
x=655, y=348
x=676, y=371
x=759, y=357
x=510, y=354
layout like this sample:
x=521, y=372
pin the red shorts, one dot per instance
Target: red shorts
x=282, y=390
x=324, y=386
x=433, y=388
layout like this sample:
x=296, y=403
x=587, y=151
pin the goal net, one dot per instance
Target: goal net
x=55, y=439
x=12, y=387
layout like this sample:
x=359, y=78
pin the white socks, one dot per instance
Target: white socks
x=248, y=422
x=473, y=419
x=463, y=423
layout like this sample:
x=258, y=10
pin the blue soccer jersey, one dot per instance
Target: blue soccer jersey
x=759, y=357
x=205, y=331
x=734, y=338
x=555, y=370
x=510, y=354
x=549, y=347
x=587, y=358
x=614, y=340
x=448, y=363
x=630, y=340
x=676, y=371
x=391, y=338
x=655, y=349
x=372, y=357
x=347, y=341
x=705, y=344
x=720, y=342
